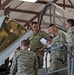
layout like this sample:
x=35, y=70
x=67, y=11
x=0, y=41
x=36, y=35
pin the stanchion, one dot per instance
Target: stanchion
x=72, y=66
x=68, y=59
x=48, y=51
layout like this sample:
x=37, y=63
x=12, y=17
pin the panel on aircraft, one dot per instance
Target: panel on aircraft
x=9, y=32
x=11, y=35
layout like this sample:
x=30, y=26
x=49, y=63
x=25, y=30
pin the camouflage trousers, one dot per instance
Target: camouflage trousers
x=40, y=60
x=40, y=56
x=54, y=65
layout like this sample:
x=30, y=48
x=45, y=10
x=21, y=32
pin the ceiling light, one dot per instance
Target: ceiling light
x=29, y=0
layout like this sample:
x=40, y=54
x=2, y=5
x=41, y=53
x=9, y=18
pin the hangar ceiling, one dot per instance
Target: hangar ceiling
x=26, y=12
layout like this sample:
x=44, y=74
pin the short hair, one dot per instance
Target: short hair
x=25, y=43
x=70, y=21
x=51, y=25
x=34, y=22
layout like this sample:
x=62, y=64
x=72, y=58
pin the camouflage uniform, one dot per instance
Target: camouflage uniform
x=36, y=44
x=24, y=63
x=57, y=57
x=70, y=37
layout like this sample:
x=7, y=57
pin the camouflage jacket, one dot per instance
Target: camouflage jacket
x=24, y=63
x=35, y=39
x=58, y=40
x=70, y=37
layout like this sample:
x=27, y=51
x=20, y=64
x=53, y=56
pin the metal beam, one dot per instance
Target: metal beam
x=35, y=17
x=63, y=4
x=0, y=2
x=70, y=2
x=23, y=11
x=6, y=11
x=4, y=4
x=23, y=21
x=66, y=5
